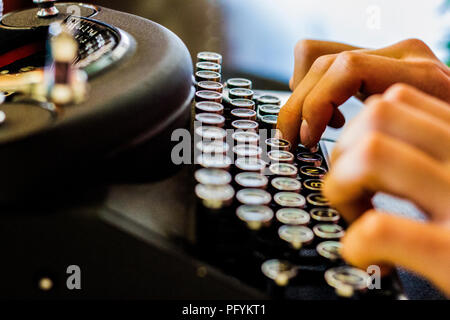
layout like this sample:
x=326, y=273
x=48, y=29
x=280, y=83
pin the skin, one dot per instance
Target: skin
x=326, y=74
x=389, y=147
x=401, y=122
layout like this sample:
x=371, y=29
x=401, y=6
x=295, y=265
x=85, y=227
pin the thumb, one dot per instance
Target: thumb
x=378, y=238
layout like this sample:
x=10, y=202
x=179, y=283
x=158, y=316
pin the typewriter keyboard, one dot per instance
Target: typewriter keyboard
x=261, y=216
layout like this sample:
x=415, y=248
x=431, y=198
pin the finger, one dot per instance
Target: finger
x=419, y=100
x=289, y=118
x=405, y=49
x=381, y=163
x=337, y=119
x=351, y=72
x=378, y=238
x=400, y=121
x=307, y=51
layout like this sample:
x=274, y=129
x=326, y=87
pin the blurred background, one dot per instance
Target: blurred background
x=257, y=37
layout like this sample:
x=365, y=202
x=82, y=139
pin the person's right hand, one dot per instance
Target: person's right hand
x=326, y=74
x=399, y=144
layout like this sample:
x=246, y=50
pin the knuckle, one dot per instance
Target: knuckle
x=348, y=59
x=416, y=43
x=323, y=62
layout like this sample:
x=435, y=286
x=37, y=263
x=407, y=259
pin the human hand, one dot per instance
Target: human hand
x=399, y=144
x=326, y=74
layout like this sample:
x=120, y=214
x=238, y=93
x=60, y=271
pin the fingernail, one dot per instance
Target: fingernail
x=305, y=134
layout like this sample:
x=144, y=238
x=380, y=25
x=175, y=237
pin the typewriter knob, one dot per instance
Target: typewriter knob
x=47, y=8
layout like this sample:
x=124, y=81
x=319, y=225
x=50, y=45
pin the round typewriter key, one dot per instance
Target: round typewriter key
x=242, y=104
x=329, y=250
x=245, y=137
x=325, y=215
x=317, y=199
x=247, y=151
x=209, y=57
x=212, y=176
x=217, y=161
x=211, y=133
x=278, y=144
x=296, y=236
x=268, y=99
x=245, y=125
x=286, y=184
x=302, y=148
x=279, y=271
x=257, y=197
x=207, y=76
x=251, y=180
x=328, y=231
x=208, y=66
x=208, y=107
x=289, y=199
x=250, y=164
x=280, y=156
x=309, y=159
x=214, y=147
x=312, y=172
x=346, y=280
x=240, y=93
x=254, y=215
x=245, y=114
x=313, y=184
x=206, y=95
x=210, y=119
x=283, y=169
x=293, y=216
x=268, y=109
x=269, y=121
x=210, y=86
x=239, y=83
x=214, y=196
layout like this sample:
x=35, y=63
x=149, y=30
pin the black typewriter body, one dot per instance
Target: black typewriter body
x=119, y=209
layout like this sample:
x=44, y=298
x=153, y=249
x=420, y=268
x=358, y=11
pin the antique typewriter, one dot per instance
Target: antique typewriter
x=88, y=138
